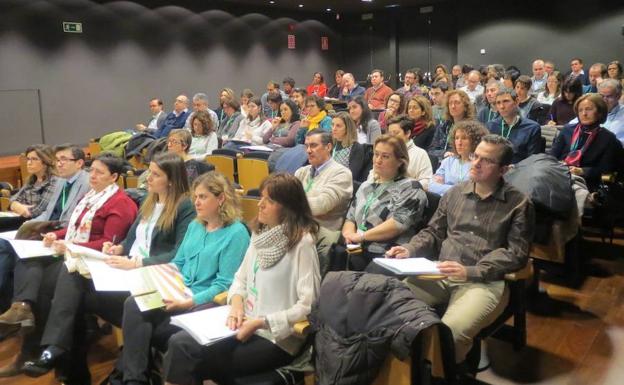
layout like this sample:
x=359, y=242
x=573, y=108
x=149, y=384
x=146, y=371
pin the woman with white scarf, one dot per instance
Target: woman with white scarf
x=103, y=215
x=272, y=290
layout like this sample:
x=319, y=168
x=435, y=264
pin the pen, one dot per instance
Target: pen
x=114, y=239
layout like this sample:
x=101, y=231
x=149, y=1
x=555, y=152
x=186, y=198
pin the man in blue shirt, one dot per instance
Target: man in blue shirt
x=611, y=92
x=523, y=133
x=176, y=118
x=350, y=88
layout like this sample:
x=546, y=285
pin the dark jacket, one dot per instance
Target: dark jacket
x=439, y=143
x=358, y=318
x=164, y=243
x=360, y=161
x=525, y=136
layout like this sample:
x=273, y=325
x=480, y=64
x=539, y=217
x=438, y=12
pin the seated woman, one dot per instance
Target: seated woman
x=347, y=151
x=458, y=108
x=204, y=136
x=32, y=199
x=272, y=290
x=318, y=86
x=245, y=97
x=419, y=167
x=153, y=238
x=103, y=215
x=455, y=168
x=284, y=128
x=395, y=105
x=385, y=210
x=562, y=109
x=212, y=251
x=368, y=129
x=588, y=149
x=316, y=118
x=553, y=89
x=419, y=110
x=178, y=142
x=252, y=128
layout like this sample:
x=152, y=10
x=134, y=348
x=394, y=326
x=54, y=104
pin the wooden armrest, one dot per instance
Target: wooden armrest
x=525, y=273
x=221, y=298
x=608, y=177
x=354, y=251
x=431, y=277
x=302, y=328
x=5, y=193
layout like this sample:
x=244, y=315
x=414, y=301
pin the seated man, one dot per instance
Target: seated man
x=524, y=134
x=611, y=92
x=539, y=78
x=200, y=103
x=158, y=117
x=473, y=87
x=176, y=118
x=272, y=87
x=437, y=94
x=350, y=88
x=481, y=231
x=597, y=72
x=486, y=106
x=377, y=94
x=327, y=184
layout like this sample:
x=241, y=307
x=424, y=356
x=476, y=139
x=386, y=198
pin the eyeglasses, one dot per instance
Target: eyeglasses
x=476, y=158
x=33, y=160
x=65, y=160
x=173, y=141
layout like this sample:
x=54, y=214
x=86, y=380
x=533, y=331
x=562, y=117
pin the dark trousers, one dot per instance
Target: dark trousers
x=29, y=275
x=188, y=362
x=7, y=264
x=73, y=297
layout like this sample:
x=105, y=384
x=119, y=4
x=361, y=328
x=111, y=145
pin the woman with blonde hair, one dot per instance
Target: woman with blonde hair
x=347, y=151
x=273, y=289
x=387, y=209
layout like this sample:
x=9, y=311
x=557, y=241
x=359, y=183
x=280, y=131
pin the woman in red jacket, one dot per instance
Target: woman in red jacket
x=318, y=86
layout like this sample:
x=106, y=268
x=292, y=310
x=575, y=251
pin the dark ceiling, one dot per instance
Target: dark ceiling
x=335, y=5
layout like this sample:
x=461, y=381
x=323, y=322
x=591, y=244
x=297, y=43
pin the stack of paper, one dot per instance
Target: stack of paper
x=206, y=326
x=30, y=249
x=8, y=235
x=150, y=285
x=409, y=266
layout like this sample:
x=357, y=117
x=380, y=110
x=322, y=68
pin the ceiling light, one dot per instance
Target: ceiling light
x=328, y=9
x=300, y=5
x=271, y=2
x=367, y=1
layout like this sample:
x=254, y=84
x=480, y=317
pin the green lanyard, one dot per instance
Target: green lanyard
x=506, y=136
x=369, y=201
x=253, y=288
x=308, y=187
x=63, y=197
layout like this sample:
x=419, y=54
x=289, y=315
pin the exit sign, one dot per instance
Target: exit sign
x=71, y=27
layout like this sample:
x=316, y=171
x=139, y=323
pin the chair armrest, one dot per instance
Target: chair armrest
x=221, y=298
x=523, y=274
x=302, y=328
x=608, y=177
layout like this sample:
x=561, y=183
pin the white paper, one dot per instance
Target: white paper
x=409, y=266
x=107, y=278
x=206, y=326
x=258, y=148
x=30, y=249
x=8, y=214
x=81, y=251
x=353, y=246
x=8, y=235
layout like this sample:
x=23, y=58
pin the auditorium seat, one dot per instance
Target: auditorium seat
x=251, y=172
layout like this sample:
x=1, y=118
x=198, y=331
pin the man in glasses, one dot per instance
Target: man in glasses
x=481, y=231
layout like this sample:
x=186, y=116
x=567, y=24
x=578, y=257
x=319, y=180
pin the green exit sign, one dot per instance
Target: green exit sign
x=71, y=27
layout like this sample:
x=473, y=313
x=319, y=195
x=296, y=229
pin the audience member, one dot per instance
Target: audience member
x=298, y=96
x=156, y=120
x=347, y=151
x=587, y=147
x=524, y=134
x=437, y=94
x=245, y=97
x=204, y=135
x=377, y=94
x=200, y=103
x=368, y=128
x=458, y=108
x=487, y=106
x=473, y=87
x=539, y=78
x=528, y=105
x=176, y=118
x=419, y=166
x=552, y=90
x=576, y=70
x=597, y=72
x=481, y=230
x=289, y=84
x=273, y=289
x=386, y=209
x=412, y=83
x=328, y=185
x=273, y=100
x=509, y=78
x=284, y=128
x=335, y=91
x=318, y=86
x=455, y=169
x=179, y=142
x=317, y=118
x=152, y=239
x=395, y=105
x=549, y=67
x=441, y=71
x=225, y=94
x=561, y=110
x=33, y=198
x=251, y=129
x=350, y=88
x=231, y=122
x=456, y=75
x=611, y=92
x=419, y=110
x=272, y=87
x=208, y=258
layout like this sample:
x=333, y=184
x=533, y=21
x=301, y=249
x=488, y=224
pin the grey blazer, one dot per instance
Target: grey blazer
x=79, y=189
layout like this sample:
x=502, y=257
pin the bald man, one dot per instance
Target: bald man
x=350, y=88
x=176, y=118
x=538, y=80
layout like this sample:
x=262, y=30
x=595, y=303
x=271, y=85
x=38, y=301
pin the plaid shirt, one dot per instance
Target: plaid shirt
x=402, y=200
x=37, y=195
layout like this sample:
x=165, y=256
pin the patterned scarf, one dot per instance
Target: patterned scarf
x=271, y=245
x=342, y=154
x=80, y=232
x=574, y=156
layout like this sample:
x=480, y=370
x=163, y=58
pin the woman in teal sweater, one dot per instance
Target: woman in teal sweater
x=210, y=254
